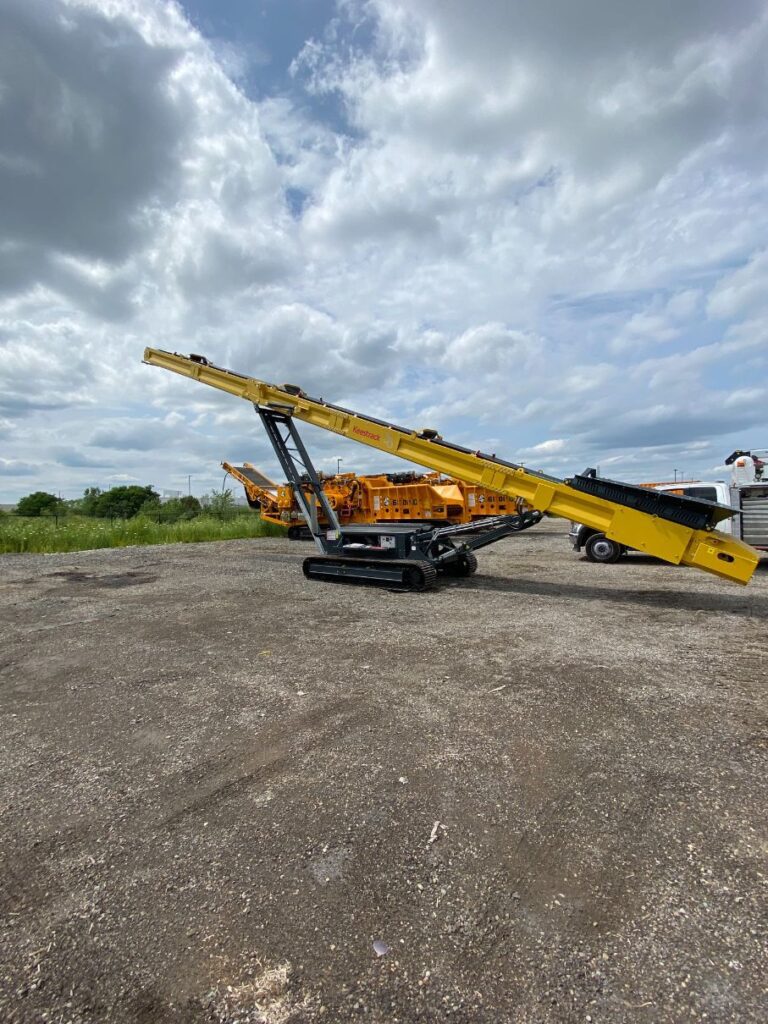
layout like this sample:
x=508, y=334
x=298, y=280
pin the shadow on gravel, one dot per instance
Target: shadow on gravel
x=637, y=559
x=739, y=603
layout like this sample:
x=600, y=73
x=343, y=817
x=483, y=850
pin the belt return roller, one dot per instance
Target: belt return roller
x=617, y=512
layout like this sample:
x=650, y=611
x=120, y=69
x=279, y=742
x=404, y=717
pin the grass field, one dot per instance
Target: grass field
x=80, y=533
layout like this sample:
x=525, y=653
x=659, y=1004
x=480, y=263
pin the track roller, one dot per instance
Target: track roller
x=465, y=565
x=419, y=575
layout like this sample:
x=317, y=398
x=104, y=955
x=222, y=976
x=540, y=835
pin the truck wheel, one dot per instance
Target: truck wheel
x=599, y=549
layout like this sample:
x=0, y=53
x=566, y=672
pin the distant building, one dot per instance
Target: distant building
x=169, y=496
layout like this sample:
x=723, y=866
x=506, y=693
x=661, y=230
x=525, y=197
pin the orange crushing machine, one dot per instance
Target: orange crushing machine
x=406, y=497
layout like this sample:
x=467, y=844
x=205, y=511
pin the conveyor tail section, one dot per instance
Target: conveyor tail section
x=624, y=521
x=260, y=491
x=697, y=513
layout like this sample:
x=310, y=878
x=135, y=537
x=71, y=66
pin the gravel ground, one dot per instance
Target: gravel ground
x=542, y=788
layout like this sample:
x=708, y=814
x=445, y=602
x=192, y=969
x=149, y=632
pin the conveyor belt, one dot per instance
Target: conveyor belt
x=696, y=513
x=256, y=477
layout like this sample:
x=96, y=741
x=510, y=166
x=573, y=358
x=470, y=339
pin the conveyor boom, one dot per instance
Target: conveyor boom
x=643, y=527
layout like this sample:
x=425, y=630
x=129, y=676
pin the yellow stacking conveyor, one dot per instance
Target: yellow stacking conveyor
x=706, y=549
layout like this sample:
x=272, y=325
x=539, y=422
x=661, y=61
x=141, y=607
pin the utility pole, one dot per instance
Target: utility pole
x=338, y=466
x=189, y=484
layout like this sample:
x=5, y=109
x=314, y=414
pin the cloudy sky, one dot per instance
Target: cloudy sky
x=540, y=227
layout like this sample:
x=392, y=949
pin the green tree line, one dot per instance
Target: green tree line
x=128, y=501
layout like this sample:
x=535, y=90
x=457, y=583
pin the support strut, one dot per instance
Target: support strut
x=301, y=474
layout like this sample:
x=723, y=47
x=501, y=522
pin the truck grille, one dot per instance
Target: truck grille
x=754, y=520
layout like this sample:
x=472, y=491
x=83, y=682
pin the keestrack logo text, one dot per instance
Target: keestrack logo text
x=366, y=433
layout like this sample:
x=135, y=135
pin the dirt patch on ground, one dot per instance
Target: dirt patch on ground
x=219, y=783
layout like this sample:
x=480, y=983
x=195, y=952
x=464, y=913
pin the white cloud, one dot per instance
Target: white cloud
x=539, y=222
x=89, y=132
x=490, y=348
x=15, y=467
x=742, y=292
x=549, y=447
x=681, y=306
x=642, y=329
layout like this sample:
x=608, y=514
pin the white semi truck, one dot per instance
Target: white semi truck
x=747, y=493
